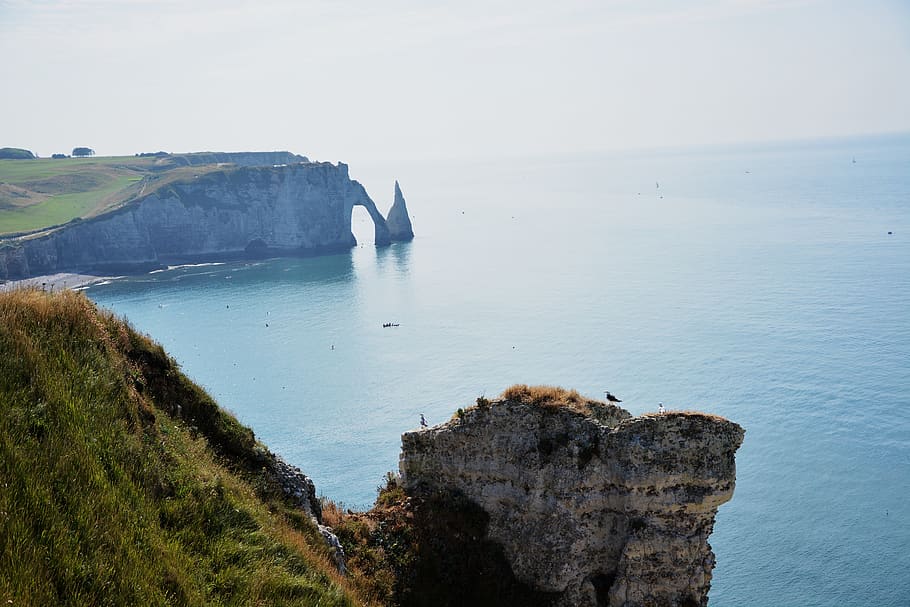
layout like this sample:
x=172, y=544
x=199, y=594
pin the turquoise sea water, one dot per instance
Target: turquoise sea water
x=756, y=282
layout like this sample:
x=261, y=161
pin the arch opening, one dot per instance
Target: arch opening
x=362, y=226
x=380, y=228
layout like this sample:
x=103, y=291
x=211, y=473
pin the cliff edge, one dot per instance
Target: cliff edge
x=588, y=505
x=204, y=207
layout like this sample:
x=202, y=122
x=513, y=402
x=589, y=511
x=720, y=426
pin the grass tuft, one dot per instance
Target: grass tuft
x=554, y=398
x=549, y=397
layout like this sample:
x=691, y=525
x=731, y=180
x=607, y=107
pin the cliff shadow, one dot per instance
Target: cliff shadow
x=456, y=564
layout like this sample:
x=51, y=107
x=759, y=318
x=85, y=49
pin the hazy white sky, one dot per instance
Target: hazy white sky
x=405, y=79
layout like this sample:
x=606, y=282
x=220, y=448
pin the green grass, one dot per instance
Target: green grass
x=62, y=208
x=60, y=190
x=23, y=171
x=51, y=192
x=122, y=483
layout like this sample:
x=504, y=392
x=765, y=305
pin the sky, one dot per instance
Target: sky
x=408, y=80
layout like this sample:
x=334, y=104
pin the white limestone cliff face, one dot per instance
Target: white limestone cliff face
x=399, y=223
x=596, y=507
x=298, y=208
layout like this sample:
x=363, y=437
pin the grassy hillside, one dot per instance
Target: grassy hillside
x=36, y=194
x=47, y=192
x=122, y=483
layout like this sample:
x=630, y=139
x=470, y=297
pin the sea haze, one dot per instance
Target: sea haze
x=760, y=283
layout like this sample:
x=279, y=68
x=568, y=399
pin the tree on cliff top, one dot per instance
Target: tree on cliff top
x=78, y=152
x=16, y=154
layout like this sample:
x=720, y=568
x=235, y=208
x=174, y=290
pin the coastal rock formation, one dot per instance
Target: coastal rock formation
x=589, y=505
x=398, y=220
x=238, y=210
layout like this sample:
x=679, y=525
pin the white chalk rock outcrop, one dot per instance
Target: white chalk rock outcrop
x=586, y=501
x=397, y=219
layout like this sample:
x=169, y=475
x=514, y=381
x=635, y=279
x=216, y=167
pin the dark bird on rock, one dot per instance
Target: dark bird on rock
x=610, y=397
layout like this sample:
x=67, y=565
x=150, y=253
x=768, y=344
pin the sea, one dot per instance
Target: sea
x=767, y=283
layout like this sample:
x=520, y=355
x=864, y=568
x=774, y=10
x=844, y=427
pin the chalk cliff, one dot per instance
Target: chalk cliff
x=589, y=505
x=242, y=209
x=397, y=218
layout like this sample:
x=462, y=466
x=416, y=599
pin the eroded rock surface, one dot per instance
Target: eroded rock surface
x=591, y=505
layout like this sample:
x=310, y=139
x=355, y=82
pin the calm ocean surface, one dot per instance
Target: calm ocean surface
x=759, y=283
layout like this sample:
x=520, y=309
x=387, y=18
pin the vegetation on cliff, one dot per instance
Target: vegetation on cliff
x=53, y=191
x=16, y=154
x=122, y=483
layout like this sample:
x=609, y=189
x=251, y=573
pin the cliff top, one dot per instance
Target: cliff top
x=555, y=398
x=43, y=193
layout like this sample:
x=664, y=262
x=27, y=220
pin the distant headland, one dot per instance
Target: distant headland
x=134, y=213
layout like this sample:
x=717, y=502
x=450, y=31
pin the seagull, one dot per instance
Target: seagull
x=610, y=397
x=423, y=421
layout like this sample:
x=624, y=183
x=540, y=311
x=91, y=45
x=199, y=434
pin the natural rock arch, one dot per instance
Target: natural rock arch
x=381, y=232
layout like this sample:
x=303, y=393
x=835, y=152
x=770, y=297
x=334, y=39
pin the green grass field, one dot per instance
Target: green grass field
x=62, y=208
x=39, y=194
x=22, y=171
x=36, y=194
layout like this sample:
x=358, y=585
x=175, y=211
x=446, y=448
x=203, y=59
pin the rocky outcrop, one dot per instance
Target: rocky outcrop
x=299, y=487
x=589, y=505
x=399, y=223
x=234, y=211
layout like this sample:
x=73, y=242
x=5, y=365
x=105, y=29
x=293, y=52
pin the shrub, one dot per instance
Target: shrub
x=545, y=396
x=16, y=154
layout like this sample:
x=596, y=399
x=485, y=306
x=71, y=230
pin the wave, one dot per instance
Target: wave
x=188, y=265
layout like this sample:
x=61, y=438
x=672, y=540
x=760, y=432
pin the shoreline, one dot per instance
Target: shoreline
x=54, y=282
